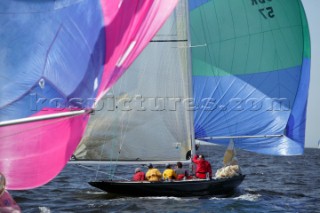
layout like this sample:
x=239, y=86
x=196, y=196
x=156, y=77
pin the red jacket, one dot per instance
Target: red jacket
x=139, y=176
x=203, y=167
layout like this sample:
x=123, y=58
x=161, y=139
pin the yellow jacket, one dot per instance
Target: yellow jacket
x=153, y=175
x=169, y=174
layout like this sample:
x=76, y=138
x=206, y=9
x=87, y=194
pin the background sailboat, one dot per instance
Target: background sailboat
x=56, y=58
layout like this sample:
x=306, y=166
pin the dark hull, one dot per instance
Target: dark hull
x=188, y=188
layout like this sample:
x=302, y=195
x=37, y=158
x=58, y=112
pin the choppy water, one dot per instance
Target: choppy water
x=272, y=184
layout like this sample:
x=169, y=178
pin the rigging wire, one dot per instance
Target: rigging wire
x=106, y=173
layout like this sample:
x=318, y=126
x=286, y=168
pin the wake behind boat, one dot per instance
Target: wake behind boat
x=184, y=188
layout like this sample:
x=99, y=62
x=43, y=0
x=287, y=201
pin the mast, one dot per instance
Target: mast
x=189, y=68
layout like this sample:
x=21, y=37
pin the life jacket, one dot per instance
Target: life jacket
x=169, y=174
x=153, y=175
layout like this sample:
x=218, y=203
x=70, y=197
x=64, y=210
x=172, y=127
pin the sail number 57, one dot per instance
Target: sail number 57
x=267, y=12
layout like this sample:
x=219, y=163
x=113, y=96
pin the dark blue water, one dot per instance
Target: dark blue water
x=272, y=184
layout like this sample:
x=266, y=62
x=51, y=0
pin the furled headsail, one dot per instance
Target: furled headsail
x=57, y=57
x=251, y=73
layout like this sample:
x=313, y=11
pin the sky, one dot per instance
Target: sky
x=312, y=8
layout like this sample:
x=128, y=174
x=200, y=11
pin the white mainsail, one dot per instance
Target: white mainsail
x=146, y=116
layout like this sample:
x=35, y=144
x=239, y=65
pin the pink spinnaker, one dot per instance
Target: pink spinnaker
x=32, y=154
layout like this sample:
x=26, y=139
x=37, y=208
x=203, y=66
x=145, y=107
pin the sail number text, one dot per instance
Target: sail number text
x=266, y=12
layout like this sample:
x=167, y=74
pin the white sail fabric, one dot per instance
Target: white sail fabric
x=229, y=157
x=146, y=116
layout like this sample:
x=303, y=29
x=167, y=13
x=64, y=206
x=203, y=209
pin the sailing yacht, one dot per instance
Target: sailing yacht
x=218, y=71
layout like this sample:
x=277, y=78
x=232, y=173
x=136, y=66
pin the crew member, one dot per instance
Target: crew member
x=169, y=174
x=203, y=167
x=138, y=175
x=153, y=174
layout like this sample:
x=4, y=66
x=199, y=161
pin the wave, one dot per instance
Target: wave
x=271, y=193
x=44, y=209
